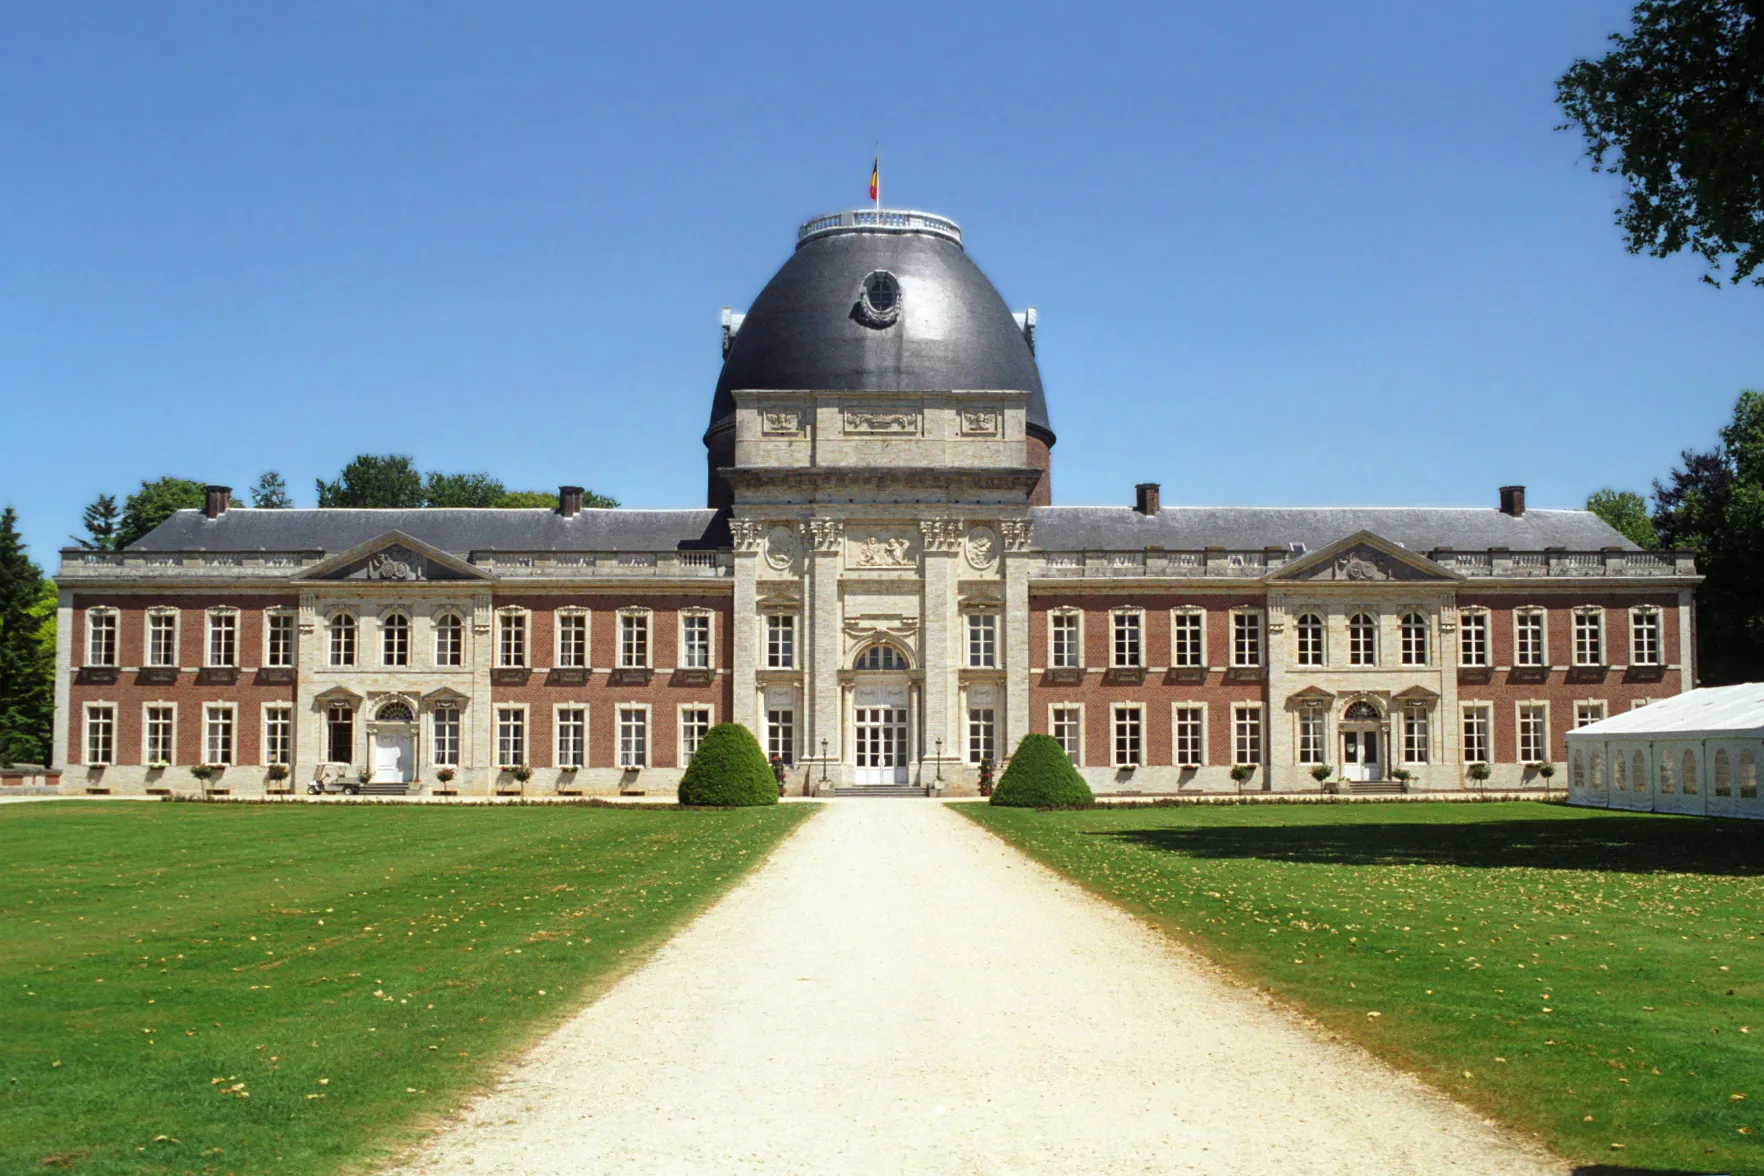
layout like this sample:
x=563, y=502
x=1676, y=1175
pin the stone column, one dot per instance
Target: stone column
x=821, y=702
x=1017, y=657
x=744, y=695
x=940, y=638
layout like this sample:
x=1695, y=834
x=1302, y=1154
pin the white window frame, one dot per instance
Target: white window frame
x=1521, y=616
x=562, y=656
x=1358, y=656
x=1585, y=708
x=88, y=731
x=438, y=625
x=709, y=617
x=340, y=622
x=1200, y=758
x=1298, y=629
x=779, y=630
x=626, y=761
x=1193, y=617
x=1075, y=753
x=1482, y=714
x=1316, y=752
x=267, y=754
x=1117, y=617
x=1239, y=711
x=1520, y=707
x=112, y=625
x=559, y=759
x=684, y=753
x=440, y=754
x=171, y=745
x=1407, y=638
x=1417, y=733
x=280, y=617
x=162, y=612
x=1650, y=614
x=1583, y=614
x=355, y=730
x=1473, y=623
x=515, y=622
x=1252, y=621
x=982, y=733
x=231, y=711
x=780, y=719
x=387, y=628
x=629, y=617
x=1118, y=711
x=523, y=731
x=211, y=629
x=1076, y=617
x=980, y=635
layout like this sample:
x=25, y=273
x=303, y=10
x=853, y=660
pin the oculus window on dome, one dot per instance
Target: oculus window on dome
x=878, y=304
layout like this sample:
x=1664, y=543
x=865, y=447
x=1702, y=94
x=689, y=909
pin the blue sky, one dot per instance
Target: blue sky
x=1283, y=252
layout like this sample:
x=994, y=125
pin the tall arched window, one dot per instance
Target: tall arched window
x=1362, y=640
x=395, y=640
x=881, y=657
x=343, y=640
x=449, y=640
x=1414, y=639
x=1689, y=766
x=1310, y=640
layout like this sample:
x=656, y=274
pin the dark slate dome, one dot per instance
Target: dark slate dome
x=806, y=329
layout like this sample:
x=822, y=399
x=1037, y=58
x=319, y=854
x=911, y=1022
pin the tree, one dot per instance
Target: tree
x=27, y=662
x=516, y=499
x=1627, y=512
x=271, y=493
x=1713, y=504
x=1676, y=108
x=154, y=503
x=388, y=480
x=1041, y=776
x=462, y=490
x=100, y=523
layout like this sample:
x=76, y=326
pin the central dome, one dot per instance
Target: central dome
x=831, y=320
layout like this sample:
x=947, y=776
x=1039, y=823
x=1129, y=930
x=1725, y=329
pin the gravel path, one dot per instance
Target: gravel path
x=896, y=991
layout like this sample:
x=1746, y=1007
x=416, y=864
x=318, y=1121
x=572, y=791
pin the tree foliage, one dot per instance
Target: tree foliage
x=27, y=660
x=728, y=769
x=386, y=480
x=1677, y=108
x=100, y=521
x=463, y=490
x=1040, y=776
x=271, y=492
x=1713, y=504
x=1627, y=512
x=155, y=502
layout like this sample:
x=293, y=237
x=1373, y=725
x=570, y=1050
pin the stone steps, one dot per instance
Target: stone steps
x=878, y=790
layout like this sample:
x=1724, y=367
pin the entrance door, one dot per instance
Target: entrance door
x=881, y=737
x=1360, y=761
x=394, y=757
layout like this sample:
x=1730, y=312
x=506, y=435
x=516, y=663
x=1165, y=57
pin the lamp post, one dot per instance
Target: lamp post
x=823, y=761
x=940, y=761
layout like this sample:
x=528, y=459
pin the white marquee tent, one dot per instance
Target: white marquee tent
x=1699, y=752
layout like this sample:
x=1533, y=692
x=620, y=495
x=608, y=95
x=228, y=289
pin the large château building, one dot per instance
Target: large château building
x=880, y=586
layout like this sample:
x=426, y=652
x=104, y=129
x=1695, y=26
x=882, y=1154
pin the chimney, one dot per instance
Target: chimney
x=1513, y=501
x=1145, y=498
x=216, y=500
x=569, y=501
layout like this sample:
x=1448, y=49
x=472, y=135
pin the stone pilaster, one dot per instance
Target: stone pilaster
x=1017, y=658
x=940, y=644
x=748, y=535
x=826, y=644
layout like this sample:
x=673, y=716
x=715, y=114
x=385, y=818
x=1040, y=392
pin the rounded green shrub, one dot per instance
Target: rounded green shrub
x=728, y=769
x=1040, y=776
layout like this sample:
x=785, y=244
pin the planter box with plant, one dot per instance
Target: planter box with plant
x=277, y=775
x=1241, y=773
x=1321, y=774
x=1479, y=773
x=445, y=777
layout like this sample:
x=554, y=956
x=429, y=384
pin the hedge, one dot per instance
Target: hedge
x=1040, y=776
x=728, y=769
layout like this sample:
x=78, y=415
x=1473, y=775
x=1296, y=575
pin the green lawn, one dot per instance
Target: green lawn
x=1595, y=977
x=290, y=989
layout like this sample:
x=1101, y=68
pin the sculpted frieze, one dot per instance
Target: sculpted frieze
x=941, y=534
x=979, y=422
x=883, y=422
x=880, y=549
x=747, y=534
x=782, y=422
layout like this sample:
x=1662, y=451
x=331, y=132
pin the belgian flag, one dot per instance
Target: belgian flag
x=875, y=177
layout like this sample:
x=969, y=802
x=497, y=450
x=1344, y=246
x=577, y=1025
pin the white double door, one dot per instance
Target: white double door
x=1360, y=758
x=879, y=736
x=394, y=757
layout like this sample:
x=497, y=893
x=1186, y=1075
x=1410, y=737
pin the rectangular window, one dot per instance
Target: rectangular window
x=1067, y=723
x=339, y=734
x=982, y=640
x=449, y=640
x=1129, y=736
x=511, y=737
x=1065, y=653
x=1534, y=733
x=1415, y=741
x=100, y=735
x=1589, y=645
x=1476, y=735
x=572, y=736
x=1189, y=737
x=695, y=641
x=695, y=721
x=446, y=728
x=633, y=737
x=218, y=745
x=1246, y=640
x=1528, y=637
x=1246, y=732
x=1128, y=648
x=1185, y=628
x=781, y=733
x=572, y=640
x=162, y=639
x=395, y=640
x=1644, y=637
x=342, y=640
x=780, y=641
x=101, y=637
x=1588, y=712
x=278, y=735
x=1310, y=736
x=160, y=727
x=511, y=640
x=981, y=729
x=1473, y=639
x=223, y=640
x=633, y=641
x=1310, y=640
x=278, y=639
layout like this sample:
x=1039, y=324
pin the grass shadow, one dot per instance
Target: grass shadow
x=1622, y=844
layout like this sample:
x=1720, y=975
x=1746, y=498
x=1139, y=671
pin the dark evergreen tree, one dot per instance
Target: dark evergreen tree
x=271, y=492
x=154, y=503
x=27, y=661
x=100, y=521
x=384, y=480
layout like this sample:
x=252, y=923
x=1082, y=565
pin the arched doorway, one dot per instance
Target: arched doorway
x=393, y=740
x=880, y=748
x=1361, y=731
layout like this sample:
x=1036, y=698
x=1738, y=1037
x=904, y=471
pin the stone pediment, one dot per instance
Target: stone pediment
x=1365, y=558
x=394, y=558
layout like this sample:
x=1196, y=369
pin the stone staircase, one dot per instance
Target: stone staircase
x=878, y=790
x=385, y=789
x=1377, y=788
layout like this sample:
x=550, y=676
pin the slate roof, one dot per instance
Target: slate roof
x=1247, y=528
x=955, y=332
x=458, y=530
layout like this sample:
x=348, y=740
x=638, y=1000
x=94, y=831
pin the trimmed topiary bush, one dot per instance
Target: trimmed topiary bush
x=728, y=769
x=1040, y=776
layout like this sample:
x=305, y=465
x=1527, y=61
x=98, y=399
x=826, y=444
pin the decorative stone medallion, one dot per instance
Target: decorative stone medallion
x=394, y=563
x=780, y=547
x=782, y=422
x=979, y=422
x=982, y=547
x=870, y=422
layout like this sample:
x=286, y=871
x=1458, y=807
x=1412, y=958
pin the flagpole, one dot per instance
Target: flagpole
x=878, y=185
